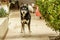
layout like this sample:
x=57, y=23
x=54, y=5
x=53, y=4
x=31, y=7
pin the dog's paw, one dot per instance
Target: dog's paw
x=21, y=32
x=30, y=32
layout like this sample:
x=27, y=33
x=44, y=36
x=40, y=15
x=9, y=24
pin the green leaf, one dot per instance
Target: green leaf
x=50, y=9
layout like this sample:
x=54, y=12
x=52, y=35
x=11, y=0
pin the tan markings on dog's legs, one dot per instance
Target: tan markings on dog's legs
x=27, y=21
x=23, y=20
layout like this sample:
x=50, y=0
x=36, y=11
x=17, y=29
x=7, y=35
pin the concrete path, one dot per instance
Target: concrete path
x=39, y=29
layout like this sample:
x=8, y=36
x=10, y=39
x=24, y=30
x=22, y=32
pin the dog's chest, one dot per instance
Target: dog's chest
x=26, y=17
x=25, y=21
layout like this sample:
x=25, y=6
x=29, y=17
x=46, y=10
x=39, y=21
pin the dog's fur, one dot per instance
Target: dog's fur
x=25, y=17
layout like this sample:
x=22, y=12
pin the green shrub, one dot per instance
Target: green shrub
x=50, y=9
x=2, y=13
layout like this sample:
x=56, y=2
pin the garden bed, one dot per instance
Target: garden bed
x=3, y=27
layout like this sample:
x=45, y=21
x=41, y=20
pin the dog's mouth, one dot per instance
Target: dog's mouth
x=23, y=15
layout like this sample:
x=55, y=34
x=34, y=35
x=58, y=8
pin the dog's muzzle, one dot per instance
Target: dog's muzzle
x=23, y=12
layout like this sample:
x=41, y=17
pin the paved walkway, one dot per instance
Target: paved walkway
x=38, y=27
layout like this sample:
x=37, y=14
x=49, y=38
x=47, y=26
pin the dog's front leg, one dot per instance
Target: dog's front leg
x=22, y=29
x=29, y=27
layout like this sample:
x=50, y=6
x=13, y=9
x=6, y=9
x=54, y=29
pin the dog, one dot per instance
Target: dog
x=25, y=17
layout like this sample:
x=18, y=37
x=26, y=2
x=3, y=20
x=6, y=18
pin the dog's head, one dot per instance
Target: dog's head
x=24, y=9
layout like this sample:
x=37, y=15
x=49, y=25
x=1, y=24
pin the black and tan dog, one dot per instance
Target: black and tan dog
x=25, y=17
